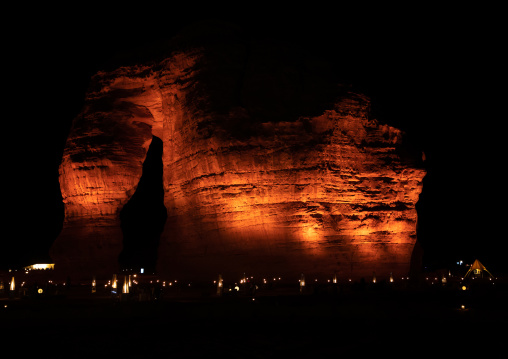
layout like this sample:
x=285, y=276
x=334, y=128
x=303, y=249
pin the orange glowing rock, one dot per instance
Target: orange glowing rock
x=246, y=188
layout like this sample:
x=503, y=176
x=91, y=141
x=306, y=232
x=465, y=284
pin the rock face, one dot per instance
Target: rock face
x=267, y=168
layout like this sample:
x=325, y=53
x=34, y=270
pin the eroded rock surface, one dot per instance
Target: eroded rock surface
x=268, y=168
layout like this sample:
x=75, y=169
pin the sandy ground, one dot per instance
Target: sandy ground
x=357, y=322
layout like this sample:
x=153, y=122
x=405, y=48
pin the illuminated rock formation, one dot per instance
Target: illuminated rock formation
x=317, y=195
x=262, y=174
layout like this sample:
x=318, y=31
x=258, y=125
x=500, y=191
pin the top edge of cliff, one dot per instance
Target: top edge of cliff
x=344, y=61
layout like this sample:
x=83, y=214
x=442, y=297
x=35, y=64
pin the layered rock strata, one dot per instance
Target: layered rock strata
x=259, y=176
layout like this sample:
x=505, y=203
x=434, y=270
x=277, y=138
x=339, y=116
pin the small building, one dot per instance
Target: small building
x=40, y=266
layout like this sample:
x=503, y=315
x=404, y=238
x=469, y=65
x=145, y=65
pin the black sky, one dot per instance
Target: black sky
x=435, y=73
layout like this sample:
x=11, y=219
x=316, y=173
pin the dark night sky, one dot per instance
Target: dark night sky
x=434, y=73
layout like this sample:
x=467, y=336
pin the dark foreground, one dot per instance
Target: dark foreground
x=354, y=322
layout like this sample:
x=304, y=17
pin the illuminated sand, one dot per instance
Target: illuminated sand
x=246, y=190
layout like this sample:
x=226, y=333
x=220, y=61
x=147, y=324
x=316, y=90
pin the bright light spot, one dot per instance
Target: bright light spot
x=125, y=288
x=310, y=233
x=40, y=266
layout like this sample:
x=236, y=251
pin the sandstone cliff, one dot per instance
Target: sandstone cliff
x=268, y=168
